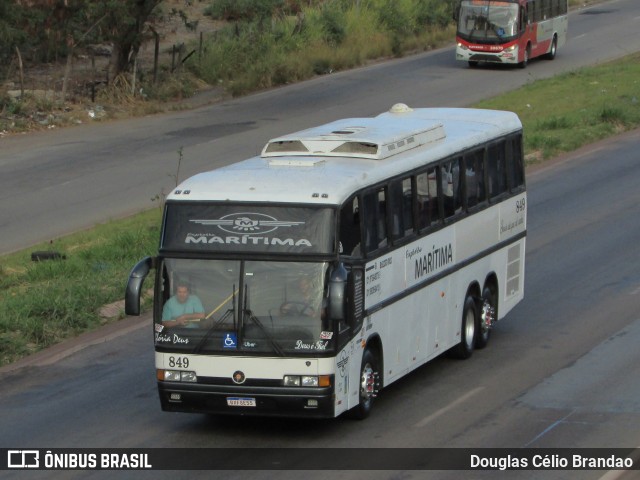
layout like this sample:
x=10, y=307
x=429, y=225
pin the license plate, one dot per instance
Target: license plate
x=241, y=402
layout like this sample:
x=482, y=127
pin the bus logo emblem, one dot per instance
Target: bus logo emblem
x=248, y=223
x=238, y=377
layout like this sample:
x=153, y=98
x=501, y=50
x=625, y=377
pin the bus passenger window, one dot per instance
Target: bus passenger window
x=401, y=203
x=474, y=177
x=350, y=228
x=382, y=218
x=516, y=163
x=427, y=194
x=452, y=196
x=497, y=169
x=375, y=220
x=407, y=205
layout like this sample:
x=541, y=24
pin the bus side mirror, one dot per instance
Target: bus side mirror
x=134, y=285
x=337, y=292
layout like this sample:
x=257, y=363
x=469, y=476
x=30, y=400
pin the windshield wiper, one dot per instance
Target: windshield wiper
x=262, y=328
x=247, y=313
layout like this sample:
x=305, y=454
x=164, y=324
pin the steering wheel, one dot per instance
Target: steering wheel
x=295, y=308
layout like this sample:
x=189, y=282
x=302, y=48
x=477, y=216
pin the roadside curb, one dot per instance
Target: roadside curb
x=64, y=349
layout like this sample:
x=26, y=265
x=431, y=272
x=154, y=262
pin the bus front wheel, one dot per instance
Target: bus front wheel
x=527, y=55
x=369, y=385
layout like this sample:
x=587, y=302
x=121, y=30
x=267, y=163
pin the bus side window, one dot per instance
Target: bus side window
x=474, y=177
x=451, y=187
x=515, y=162
x=496, y=163
x=407, y=205
x=375, y=219
x=382, y=218
x=350, y=228
x=401, y=203
x=428, y=200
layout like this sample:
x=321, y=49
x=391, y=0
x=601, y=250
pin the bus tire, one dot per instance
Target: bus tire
x=468, y=329
x=488, y=308
x=527, y=55
x=368, y=385
x=554, y=48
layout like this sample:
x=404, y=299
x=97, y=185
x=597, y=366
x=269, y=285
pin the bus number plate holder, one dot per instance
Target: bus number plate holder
x=241, y=402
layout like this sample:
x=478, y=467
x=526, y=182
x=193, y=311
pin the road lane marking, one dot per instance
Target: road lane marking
x=449, y=407
x=548, y=429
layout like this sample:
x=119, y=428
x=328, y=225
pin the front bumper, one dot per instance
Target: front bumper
x=269, y=401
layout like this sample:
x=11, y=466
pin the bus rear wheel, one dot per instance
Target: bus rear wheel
x=554, y=48
x=369, y=385
x=486, y=317
x=467, y=330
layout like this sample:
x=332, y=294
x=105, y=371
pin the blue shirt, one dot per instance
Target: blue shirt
x=173, y=308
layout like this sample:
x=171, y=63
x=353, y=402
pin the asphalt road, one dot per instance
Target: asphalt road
x=56, y=182
x=562, y=370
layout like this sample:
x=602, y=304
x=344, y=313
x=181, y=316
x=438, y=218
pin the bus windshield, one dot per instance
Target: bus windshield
x=228, y=306
x=488, y=21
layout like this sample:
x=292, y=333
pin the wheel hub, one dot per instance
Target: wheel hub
x=487, y=316
x=369, y=382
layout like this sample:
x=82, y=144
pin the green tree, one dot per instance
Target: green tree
x=53, y=28
x=123, y=23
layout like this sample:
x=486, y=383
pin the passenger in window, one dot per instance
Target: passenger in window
x=183, y=309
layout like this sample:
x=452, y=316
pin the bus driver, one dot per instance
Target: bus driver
x=183, y=308
x=310, y=303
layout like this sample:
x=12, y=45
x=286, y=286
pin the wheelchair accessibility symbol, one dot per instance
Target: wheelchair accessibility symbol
x=230, y=341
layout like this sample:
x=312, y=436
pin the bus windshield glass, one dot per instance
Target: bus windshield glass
x=488, y=21
x=227, y=306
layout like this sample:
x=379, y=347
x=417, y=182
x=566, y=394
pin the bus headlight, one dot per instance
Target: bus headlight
x=176, y=376
x=307, y=381
x=291, y=380
x=462, y=46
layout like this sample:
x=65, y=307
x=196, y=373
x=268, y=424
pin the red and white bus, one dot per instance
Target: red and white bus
x=510, y=31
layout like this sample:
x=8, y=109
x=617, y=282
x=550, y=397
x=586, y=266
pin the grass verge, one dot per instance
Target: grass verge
x=45, y=302
x=42, y=303
x=577, y=108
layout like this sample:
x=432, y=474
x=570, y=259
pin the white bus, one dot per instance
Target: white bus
x=338, y=261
